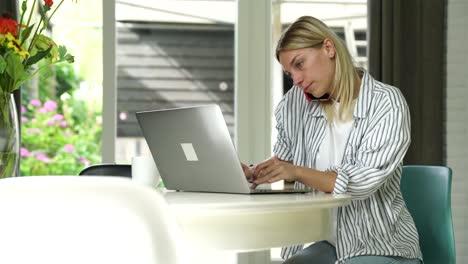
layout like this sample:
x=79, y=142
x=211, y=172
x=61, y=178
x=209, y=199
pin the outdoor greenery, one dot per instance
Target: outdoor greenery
x=59, y=141
x=60, y=133
x=25, y=51
x=61, y=122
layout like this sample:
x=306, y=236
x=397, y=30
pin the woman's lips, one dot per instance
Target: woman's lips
x=309, y=88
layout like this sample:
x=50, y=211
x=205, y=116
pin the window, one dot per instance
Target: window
x=61, y=118
x=171, y=54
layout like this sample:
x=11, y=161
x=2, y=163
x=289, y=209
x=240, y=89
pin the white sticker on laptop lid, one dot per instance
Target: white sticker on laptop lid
x=189, y=151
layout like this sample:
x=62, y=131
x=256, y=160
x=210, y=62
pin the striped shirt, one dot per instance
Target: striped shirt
x=376, y=222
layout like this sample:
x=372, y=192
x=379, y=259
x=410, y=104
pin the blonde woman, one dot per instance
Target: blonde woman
x=341, y=131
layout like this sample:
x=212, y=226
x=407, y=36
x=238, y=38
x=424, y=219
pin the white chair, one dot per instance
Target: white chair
x=92, y=220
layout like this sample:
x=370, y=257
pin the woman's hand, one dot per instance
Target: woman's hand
x=249, y=172
x=273, y=170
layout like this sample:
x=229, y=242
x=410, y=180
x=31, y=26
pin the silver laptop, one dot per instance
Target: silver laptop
x=193, y=151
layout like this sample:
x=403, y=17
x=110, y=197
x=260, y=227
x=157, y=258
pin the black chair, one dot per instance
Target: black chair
x=109, y=169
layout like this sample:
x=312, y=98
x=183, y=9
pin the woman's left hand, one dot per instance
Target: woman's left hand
x=273, y=170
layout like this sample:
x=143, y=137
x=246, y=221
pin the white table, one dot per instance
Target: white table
x=253, y=223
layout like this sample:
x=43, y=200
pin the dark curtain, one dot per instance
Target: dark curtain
x=407, y=50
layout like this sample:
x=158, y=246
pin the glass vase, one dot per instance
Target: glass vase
x=9, y=137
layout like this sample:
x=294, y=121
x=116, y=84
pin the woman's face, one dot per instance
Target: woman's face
x=311, y=69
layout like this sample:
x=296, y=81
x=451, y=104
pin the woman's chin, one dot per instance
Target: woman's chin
x=319, y=97
x=314, y=92
x=317, y=94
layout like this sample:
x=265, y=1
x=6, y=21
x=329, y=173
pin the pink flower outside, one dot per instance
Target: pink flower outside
x=23, y=109
x=58, y=117
x=50, y=106
x=24, y=119
x=63, y=124
x=35, y=102
x=83, y=160
x=69, y=148
x=25, y=152
x=33, y=131
x=42, y=110
x=50, y=122
x=43, y=157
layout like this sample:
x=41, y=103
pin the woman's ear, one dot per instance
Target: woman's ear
x=329, y=48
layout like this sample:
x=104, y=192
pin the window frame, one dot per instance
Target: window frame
x=253, y=81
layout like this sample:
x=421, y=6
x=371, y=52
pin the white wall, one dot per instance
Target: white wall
x=457, y=119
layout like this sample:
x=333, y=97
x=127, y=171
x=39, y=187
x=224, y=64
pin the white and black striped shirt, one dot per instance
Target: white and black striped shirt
x=377, y=221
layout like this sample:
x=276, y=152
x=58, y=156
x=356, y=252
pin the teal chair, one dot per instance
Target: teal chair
x=427, y=193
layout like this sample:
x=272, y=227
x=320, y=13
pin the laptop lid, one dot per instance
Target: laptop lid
x=193, y=150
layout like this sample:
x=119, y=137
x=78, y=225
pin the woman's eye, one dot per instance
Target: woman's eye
x=299, y=64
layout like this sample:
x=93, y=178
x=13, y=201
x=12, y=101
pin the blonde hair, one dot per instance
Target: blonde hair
x=309, y=32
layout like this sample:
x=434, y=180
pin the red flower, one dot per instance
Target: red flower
x=49, y=3
x=8, y=25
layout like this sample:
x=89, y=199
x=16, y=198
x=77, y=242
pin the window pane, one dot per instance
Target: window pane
x=171, y=54
x=61, y=131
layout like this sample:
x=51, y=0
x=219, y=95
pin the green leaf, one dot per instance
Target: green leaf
x=64, y=56
x=62, y=52
x=2, y=65
x=15, y=70
x=70, y=58
x=12, y=64
x=46, y=73
x=3, y=83
x=25, y=34
x=39, y=56
x=22, y=78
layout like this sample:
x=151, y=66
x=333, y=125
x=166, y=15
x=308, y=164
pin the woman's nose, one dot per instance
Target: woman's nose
x=297, y=79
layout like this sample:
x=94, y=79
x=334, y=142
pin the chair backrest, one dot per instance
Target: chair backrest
x=93, y=220
x=427, y=194
x=108, y=169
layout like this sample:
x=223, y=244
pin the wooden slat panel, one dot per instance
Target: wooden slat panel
x=157, y=105
x=133, y=130
x=141, y=95
x=174, y=84
x=165, y=61
x=178, y=38
x=131, y=118
x=160, y=69
x=173, y=51
x=174, y=73
x=126, y=36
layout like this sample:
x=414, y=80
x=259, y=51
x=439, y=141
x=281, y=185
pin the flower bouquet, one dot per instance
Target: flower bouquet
x=24, y=51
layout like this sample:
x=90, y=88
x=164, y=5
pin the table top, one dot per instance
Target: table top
x=243, y=222
x=233, y=222
x=188, y=201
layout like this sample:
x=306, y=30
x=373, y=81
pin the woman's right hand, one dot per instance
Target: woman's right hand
x=249, y=173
